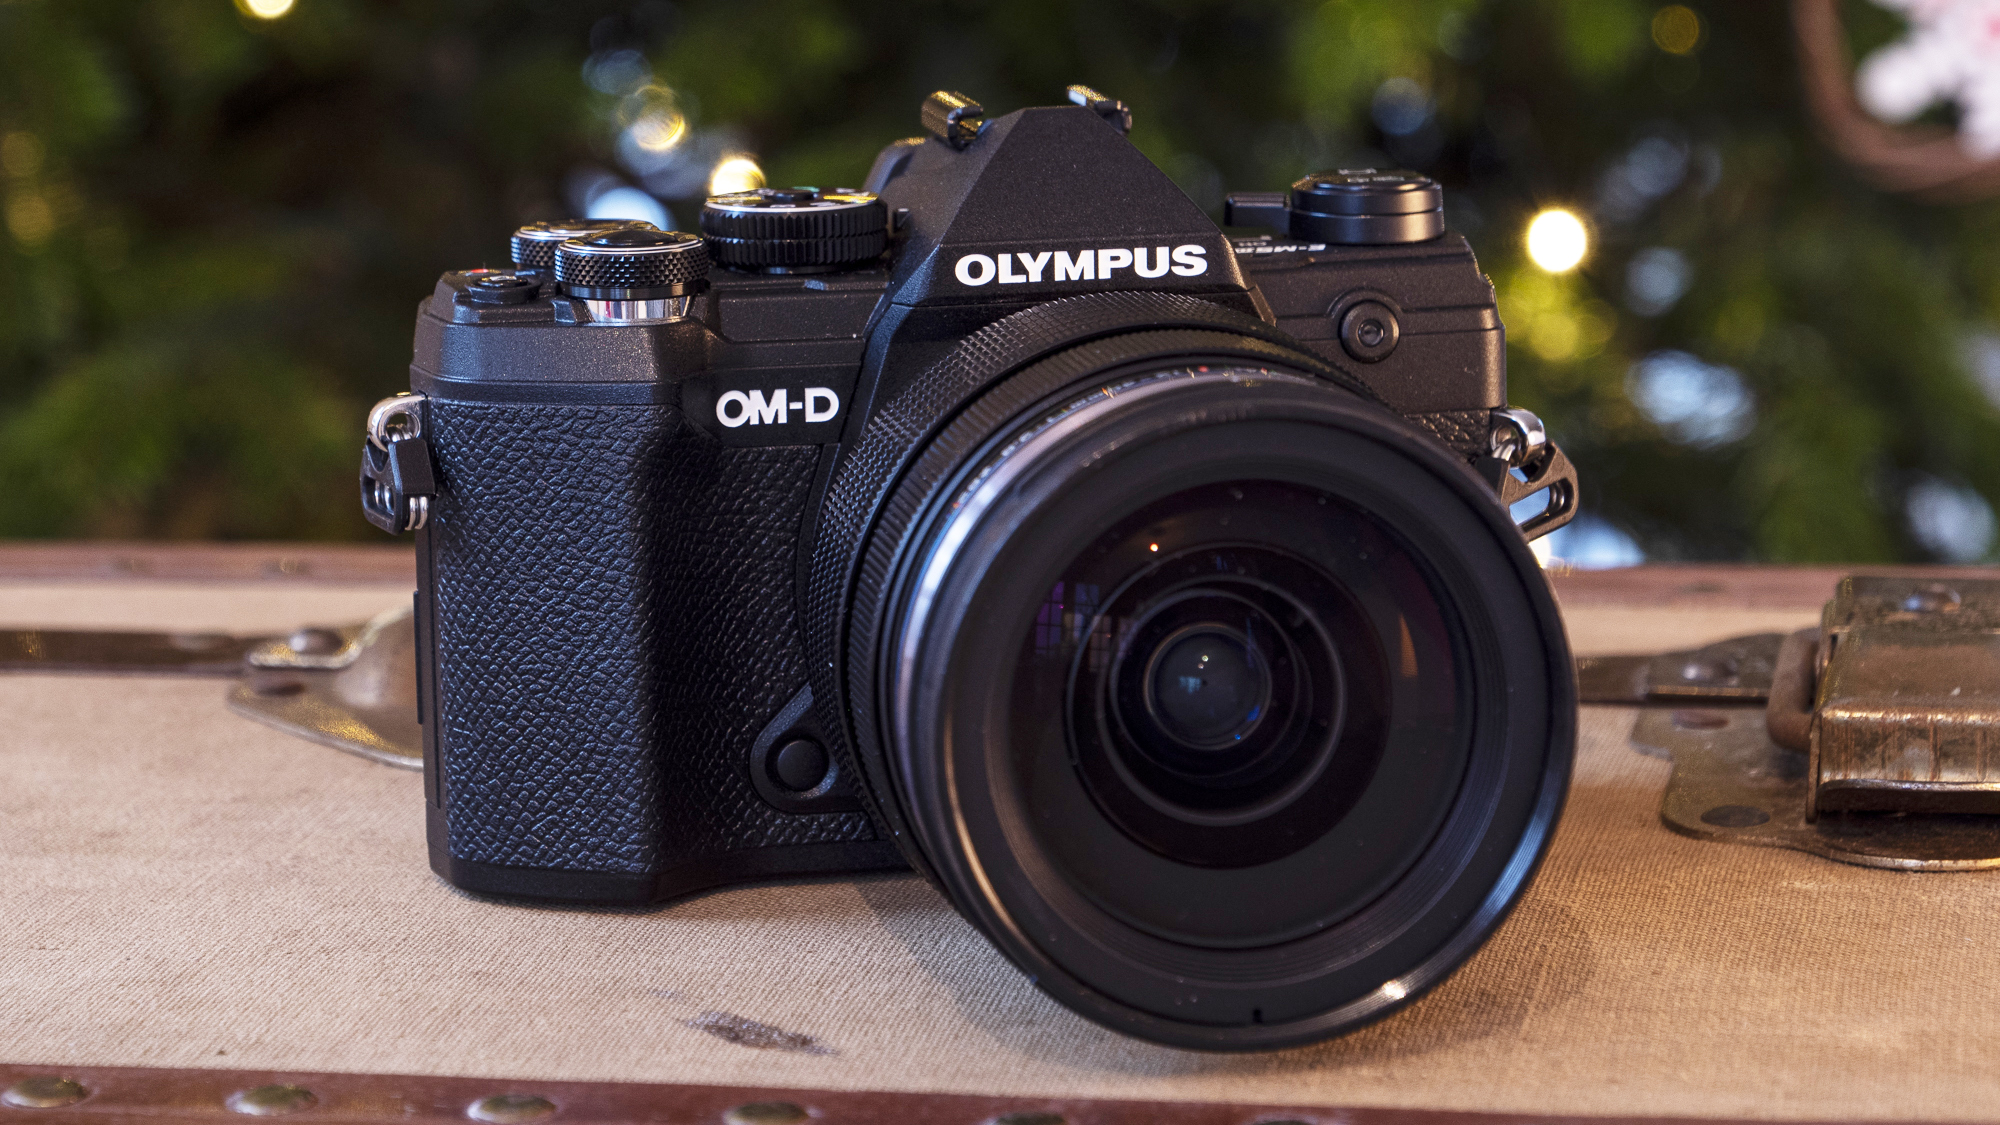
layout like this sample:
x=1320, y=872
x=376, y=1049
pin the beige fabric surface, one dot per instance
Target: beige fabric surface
x=185, y=888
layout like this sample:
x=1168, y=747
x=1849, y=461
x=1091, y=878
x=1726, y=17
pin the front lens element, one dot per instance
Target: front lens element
x=1228, y=694
x=1207, y=685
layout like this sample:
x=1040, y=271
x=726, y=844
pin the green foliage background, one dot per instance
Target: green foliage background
x=217, y=227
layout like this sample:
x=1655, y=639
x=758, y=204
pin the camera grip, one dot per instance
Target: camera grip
x=614, y=623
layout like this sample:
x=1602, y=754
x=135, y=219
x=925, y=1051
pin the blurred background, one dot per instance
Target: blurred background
x=1760, y=310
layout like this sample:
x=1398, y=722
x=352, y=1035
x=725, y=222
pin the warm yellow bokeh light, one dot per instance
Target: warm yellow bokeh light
x=652, y=118
x=21, y=155
x=735, y=173
x=30, y=219
x=1557, y=240
x=264, y=9
x=1676, y=29
x=659, y=132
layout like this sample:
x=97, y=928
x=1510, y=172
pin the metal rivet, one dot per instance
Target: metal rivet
x=43, y=1092
x=271, y=1101
x=1735, y=816
x=510, y=1109
x=1032, y=1117
x=766, y=1113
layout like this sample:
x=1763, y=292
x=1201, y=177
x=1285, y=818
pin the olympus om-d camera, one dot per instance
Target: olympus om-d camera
x=1152, y=591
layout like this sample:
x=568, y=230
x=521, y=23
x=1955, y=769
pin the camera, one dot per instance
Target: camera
x=1154, y=592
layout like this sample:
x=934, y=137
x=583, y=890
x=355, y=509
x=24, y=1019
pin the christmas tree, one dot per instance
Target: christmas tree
x=1778, y=343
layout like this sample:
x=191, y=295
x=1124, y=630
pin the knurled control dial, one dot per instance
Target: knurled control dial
x=1367, y=207
x=632, y=264
x=795, y=230
x=534, y=246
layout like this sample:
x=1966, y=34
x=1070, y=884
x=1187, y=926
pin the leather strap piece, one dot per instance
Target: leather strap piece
x=117, y=1094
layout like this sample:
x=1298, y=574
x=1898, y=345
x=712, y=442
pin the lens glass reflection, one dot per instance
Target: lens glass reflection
x=1207, y=686
x=1252, y=679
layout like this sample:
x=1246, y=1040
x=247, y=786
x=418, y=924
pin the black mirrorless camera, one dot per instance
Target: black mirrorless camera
x=1153, y=592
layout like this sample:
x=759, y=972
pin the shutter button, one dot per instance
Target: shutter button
x=634, y=275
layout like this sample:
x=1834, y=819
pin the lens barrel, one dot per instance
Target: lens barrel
x=1233, y=711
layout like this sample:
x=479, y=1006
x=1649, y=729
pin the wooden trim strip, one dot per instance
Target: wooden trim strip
x=1727, y=586
x=208, y=562
x=142, y=1095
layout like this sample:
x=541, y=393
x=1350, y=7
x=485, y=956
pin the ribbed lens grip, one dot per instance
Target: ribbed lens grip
x=632, y=264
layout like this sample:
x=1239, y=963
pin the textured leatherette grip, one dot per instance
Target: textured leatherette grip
x=615, y=624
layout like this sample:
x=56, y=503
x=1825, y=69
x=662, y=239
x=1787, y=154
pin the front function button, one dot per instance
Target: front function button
x=800, y=765
x=1369, y=331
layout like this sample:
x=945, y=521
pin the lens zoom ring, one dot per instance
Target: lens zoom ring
x=798, y=251
x=681, y=266
x=790, y=224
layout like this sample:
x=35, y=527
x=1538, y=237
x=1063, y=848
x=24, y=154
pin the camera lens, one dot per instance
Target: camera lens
x=1236, y=718
x=1232, y=710
x=1206, y=686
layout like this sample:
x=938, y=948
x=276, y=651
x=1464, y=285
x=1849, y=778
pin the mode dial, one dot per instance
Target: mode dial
x=534, y=245
x=632, y=264
x=1367, y=207
x=795, y=230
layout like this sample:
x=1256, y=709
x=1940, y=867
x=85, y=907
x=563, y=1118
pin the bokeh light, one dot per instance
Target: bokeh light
x=735, y=173
x=21, y=155
x=629, y=203
x=1676, y=29
x=653, y=119
x=659, y=132
x=1952, y=521
x=264, y=9
x=1557, y=240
